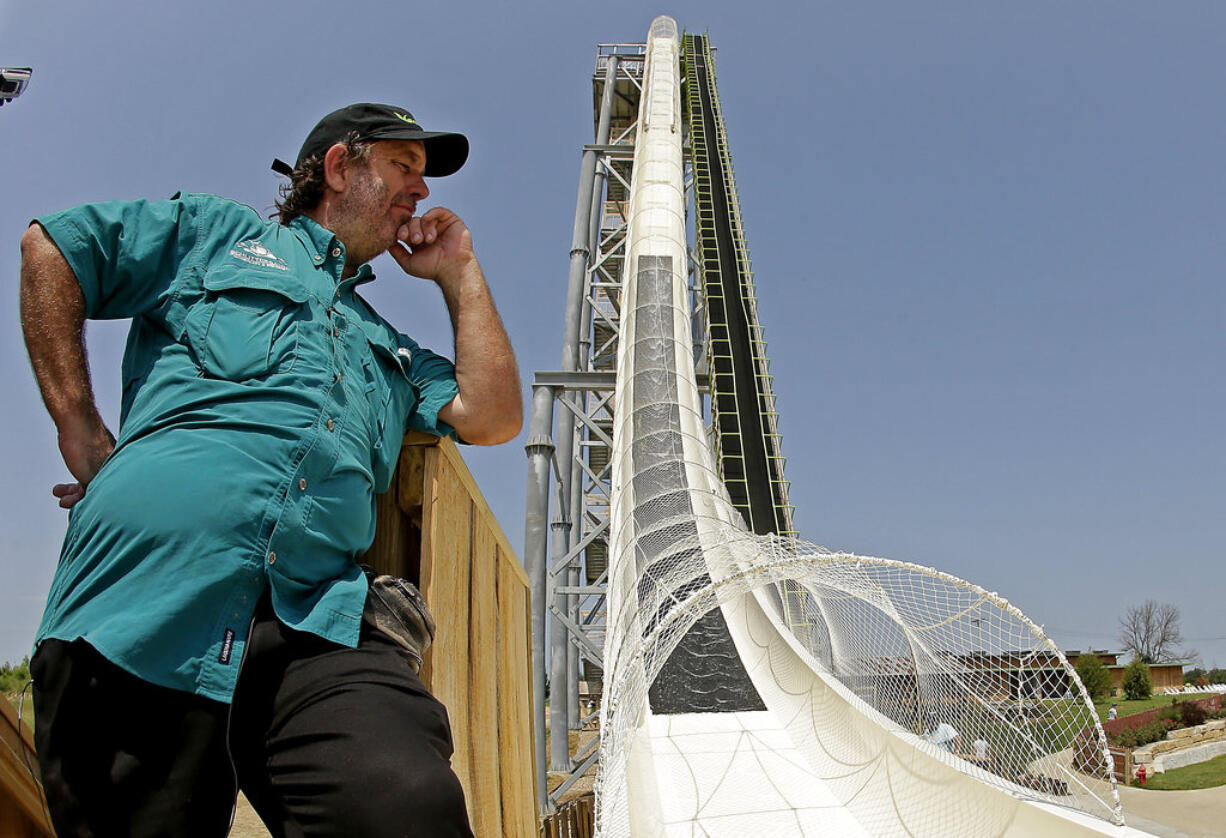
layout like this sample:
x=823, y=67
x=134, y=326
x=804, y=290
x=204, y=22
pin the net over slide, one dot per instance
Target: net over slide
x=760, y=685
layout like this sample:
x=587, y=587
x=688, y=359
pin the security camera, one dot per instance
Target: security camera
x=13, y=81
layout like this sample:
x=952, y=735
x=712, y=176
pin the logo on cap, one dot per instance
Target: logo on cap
x=404, y=117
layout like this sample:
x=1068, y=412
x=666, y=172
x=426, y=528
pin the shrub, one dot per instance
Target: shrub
x=1094, y=675
x=1216, y=676
x=1192, y=714
x=13, y=676
x=1137, y=683
x=1202, y=681
x=1143, y=734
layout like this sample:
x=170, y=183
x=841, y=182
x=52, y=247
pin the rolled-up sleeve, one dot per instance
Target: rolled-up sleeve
x=433, y=377
x=125, y=254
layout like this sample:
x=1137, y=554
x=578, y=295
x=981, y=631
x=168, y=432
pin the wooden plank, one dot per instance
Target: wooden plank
x=447, y=520
x=410, y=479
x=425, y=581
x=388, y=552
x=451, y=453
x=14, y=823
x=20, y=794
x=483, y=668
x=515, y=742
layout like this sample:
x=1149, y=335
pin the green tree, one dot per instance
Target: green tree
x=13, y=676
x=1137, y=683
x=1094, y=675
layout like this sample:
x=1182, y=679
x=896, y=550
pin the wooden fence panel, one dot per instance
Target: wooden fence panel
x=445, y=563
x=483, y=652
x=479, y=665
x=515, y=700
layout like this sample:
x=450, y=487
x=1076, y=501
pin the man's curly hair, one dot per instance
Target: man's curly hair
x=306, y=184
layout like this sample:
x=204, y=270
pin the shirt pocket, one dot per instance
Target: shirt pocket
x=246, y=325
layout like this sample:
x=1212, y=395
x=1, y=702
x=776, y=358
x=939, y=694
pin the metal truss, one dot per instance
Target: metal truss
x=566, y=560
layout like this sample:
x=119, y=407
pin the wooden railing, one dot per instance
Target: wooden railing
x=435, y=529
x=21, y=796
x=574, y=819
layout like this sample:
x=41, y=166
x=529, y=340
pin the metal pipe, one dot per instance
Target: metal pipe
x=559, y=701
x=573, y=714
x=536, y=561
x=602, y=138
x=598, y=192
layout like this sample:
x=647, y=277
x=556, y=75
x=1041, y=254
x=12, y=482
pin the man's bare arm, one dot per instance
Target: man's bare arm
x=53, y=320
x=489, y=408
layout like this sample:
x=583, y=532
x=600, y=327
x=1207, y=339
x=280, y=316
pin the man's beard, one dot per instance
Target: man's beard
x=360, y=216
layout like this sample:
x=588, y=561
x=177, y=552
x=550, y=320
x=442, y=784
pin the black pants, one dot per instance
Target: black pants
x=326, y=741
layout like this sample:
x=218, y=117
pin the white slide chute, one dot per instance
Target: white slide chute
x=891, y=699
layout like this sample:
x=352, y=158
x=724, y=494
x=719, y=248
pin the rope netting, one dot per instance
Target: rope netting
x=937, y=663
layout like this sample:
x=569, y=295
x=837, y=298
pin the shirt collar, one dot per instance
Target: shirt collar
x=325, y=246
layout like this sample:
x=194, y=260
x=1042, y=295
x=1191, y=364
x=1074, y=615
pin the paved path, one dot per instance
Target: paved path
x=1176, y=814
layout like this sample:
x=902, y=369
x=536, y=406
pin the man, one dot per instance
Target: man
x=947, y=736
x=204, y=629
x=981, y=748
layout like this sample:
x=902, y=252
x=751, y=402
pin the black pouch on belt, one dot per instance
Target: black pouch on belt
x=395, y=607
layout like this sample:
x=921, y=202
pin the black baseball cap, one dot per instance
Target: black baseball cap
x=445, y=151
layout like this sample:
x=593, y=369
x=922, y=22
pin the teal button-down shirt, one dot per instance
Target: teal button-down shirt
x=264, y=403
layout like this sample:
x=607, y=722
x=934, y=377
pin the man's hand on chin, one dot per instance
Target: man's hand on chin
x=435, y=246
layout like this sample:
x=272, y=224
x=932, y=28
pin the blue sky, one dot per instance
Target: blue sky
x=988, y=241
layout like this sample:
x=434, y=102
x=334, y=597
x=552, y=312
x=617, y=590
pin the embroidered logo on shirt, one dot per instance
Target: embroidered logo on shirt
x=227, y=647
x=254, y=253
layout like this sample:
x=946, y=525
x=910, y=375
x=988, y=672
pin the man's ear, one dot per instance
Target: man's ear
x=336, y=167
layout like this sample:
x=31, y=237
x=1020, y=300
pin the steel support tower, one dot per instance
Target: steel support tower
x=568, y=491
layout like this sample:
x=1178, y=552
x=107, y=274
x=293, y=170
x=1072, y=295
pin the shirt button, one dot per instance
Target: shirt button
x=330, y=424
x=336, y=252
x=336, y=331
x=339, y=378
x=302, y=484
x=318, y=259
x=272, y=557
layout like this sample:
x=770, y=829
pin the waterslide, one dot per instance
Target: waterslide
x=759, y=685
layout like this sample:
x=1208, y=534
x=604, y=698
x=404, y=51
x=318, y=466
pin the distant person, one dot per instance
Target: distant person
x=1112, y=713
x=947, y=736
x=208, y=628
x=980, y=746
